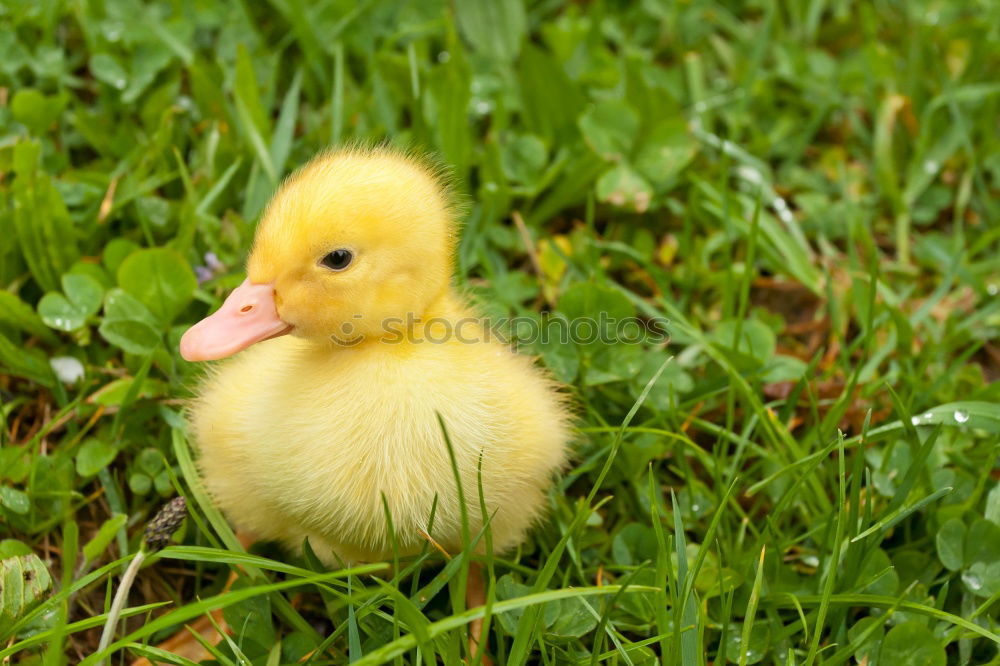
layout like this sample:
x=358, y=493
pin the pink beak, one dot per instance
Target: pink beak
x=248, y=316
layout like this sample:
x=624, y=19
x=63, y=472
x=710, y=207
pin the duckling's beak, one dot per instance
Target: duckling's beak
x=248, y=316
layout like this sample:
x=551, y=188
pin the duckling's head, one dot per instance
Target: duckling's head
x=354, y=239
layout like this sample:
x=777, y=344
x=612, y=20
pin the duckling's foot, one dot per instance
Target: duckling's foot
x=475, y=595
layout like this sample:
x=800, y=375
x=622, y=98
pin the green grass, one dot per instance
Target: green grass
x=806, y=191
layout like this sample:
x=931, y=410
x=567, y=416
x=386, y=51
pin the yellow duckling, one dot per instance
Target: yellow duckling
x=302, y=435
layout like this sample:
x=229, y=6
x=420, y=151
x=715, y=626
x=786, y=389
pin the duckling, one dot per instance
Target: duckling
x=347, y=341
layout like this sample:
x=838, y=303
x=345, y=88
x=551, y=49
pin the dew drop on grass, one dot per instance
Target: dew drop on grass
x=972, y=580
x=747, y=173
x=961, y=415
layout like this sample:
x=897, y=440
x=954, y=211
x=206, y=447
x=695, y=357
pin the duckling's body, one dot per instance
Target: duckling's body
x=303, y=437
x=303, y=440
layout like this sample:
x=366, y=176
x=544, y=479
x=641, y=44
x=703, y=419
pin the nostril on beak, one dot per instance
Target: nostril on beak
x=246, y=308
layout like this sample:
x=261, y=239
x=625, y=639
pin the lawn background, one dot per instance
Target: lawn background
x=807, y=191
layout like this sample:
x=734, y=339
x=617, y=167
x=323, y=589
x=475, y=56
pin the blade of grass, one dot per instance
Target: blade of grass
x=833, y=562
x=751, y=613
x=685, y=613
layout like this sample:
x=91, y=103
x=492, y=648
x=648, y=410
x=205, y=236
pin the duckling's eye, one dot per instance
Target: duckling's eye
x=338, y=260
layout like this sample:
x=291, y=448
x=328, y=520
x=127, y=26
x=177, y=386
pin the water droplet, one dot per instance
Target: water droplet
x=915, y=420
x=961, y=415
x=444, y=57
x=972, y=580
x=931, y=166
x=993, y=290
x=750, y=174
